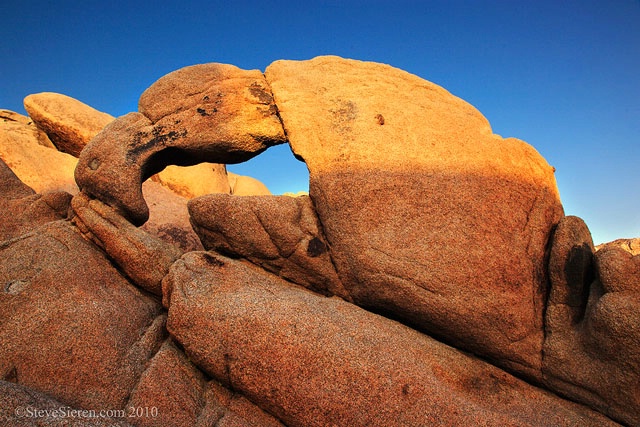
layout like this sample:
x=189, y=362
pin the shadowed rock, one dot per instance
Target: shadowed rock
x=70, y=325
x=23, y=407
x=22, y=210
x=143, y=257
x=183, y=397
x=317, y=361
x=281, y=234
x=430, y=217
x=591, y=350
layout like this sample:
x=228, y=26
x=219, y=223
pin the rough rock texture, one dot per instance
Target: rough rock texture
x=242, y=185
x=143, y=257
x=23, y=148
x=169, y=217
x=430, y=217
x=70, y=325
x=416, y=212
x=317, y=361
x=69, y=123
x=280, y=234
x=591, y=350
x=183, y=396
x=22, y=210
x=24, y=407
x=211, y=112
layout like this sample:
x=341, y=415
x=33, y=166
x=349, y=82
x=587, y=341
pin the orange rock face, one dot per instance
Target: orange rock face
x=70, y=124
x=430, y=216
x=32, y=157
x=211, y=112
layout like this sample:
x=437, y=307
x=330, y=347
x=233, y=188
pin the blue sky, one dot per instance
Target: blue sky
x=561, y=75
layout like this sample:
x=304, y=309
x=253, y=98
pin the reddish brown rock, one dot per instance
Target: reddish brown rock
x=430, y=217
x=70, y=325
x=280, y=234
x=317, y=361
x=24, y=407
x=69, y=123
x=21, y=210
x=591, y=351
x=173, y=392
x=24, y=149
x=229, y=409
x=169, y=217
x=211, y=112
x=143, y=257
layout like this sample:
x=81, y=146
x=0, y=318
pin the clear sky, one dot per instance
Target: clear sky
x=561, y=75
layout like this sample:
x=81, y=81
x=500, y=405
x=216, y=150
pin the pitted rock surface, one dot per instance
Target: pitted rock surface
x=318, y=361
x=71, y=326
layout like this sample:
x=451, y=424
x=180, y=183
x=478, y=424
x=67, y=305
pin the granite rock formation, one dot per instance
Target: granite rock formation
x=70, y=124
x=429, y=277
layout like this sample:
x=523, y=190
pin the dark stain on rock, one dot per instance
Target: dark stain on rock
x=12, y=376
x=344, y=115
x=259, y=92
x=175, y=235
x=316, y=247
x=202, y=112
x=158, y=138
x=211, y=260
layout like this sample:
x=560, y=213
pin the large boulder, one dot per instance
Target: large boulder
x=591, y=350
x=242, y=185
x=211, y=112
x=431, y=218
x=71, y=325
x=280, y=234
x=317, y=361
x=70, y=124
x=194, y=181
x=32, y=157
